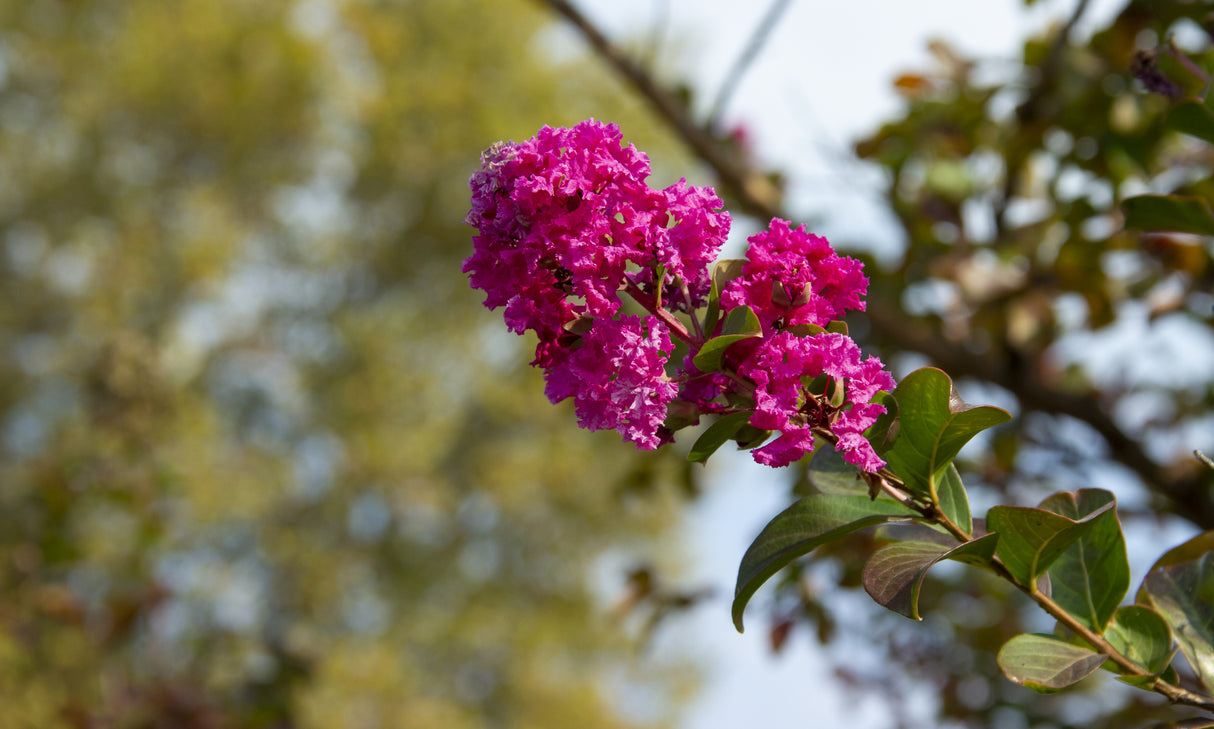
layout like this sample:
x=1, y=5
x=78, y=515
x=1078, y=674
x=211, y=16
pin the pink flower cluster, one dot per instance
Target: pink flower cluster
x=566, y=222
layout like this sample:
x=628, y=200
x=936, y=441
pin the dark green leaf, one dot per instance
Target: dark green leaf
x=1091, y=578
x=1031, y=539
x=716, y=435
x=1193, y=118
x=1045, y=663
x=811, y=522
x=1183, y=593
x=1183, y=214
x=1142, y=635
x=934, y=423
x=894, y=574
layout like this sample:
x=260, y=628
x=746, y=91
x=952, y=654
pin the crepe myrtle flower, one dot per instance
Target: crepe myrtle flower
x=616, y=376
x=793, y=277
x=565, y=221
x=785, y=370
x=565, y=224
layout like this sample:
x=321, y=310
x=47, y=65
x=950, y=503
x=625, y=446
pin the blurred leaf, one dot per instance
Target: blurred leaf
x=894, y=574
x=809, y=523
x=1169, y=212
x=1191, y=117
x=1030, y=540
x=1045, y=663
x=1091, y=578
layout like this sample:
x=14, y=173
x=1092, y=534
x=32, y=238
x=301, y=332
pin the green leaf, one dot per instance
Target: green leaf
x=894, y=574
x=716, y=435
x=740, y=323
x=722, y=273
x=1045, y=663
x=934, y=423
x=1183, y=214
x=1191, y=117
x=1032, y=539
x=1091, y=578
x=954, y=502
x=1183, y=593
x=809, y=523
x=1142, y=635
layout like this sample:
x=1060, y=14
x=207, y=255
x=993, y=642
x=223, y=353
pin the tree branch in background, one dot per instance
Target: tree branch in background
x=1008, y=367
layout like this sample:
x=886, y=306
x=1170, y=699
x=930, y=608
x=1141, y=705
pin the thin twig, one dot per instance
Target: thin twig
x=757, y=40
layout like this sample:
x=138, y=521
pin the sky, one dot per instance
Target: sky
x=824, y=79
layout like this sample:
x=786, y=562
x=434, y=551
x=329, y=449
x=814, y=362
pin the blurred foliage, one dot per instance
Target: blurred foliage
x=264, y=460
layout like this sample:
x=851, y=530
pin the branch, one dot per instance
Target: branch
x=747, y=57
x=753, y=190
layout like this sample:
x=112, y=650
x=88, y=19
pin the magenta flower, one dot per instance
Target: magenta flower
x=565, y=221
x=781, y=366
x=794, y=277
x=617, y=379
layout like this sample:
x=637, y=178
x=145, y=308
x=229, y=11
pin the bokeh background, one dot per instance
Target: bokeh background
x=265, y=461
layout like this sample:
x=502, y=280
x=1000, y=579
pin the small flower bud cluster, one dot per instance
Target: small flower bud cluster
x=566, y=223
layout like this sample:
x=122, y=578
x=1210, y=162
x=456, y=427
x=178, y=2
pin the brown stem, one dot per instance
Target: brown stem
x=651, y=305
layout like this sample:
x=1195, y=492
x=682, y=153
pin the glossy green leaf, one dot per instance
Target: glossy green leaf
x=1191, y=117
x=1091, y=578
x=1032, y=539
x=894, y=574
x=934, y=423
x=1184, y=594
x=954, y=502
x=1046, y=664
x=811, y=522
x=1142, y=635
x=740, y=323
x=717, y=435
x=1183, y=214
